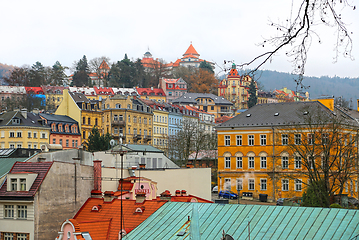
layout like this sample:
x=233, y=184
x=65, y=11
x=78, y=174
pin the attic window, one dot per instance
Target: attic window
x=16, y=121
x=276, y=114
x=95, y=208
x=139, y=210
x=248, y=115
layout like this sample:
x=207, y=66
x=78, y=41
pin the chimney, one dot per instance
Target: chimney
x=24, y=112
x=183, y=193
x=97, y=175
x=108, y=196
x=178, y=193
x=140, y=196
x=166, y=195
x=142, y=165
x=152, y=88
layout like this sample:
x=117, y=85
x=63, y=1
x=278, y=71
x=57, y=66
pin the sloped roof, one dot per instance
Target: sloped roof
x=109, y=215
x=278, y=114
x=138, y=148
x=30, y=121
x=7, y=163
x=58, y=118
x=79, y=97
x=156, y=91
x=104, y=65
x=52, y=89
x=190, y=98
x=191, y=51
x=103, y=91
x=265, y=222
x=35, y=90
x=41, y=168
x=222, y=119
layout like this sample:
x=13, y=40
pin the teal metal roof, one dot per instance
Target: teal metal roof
x=7, y=163
x=265, y=222
x=137, y=148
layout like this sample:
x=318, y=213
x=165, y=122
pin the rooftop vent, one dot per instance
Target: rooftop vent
x=248, y=115
x=305, y=113
x=276, y=114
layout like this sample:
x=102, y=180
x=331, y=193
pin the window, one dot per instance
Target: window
x=8, y=236
x=227, y=184
x=13, y=184
x=129, y=118
x=43, y=135
x=67, y=143
x=73, y=143
x=297, y=162
x=18, y=134
x=54, y=141
x=298, y=185
x=263, y=162
x=311, y=162
x=227, y=140
x=89, y=121
x=310, y=138
x=29, y=134
x=297, y=139
x=263, y=140
x=251, y=140
x=239, y=140
x=239, y=184
x=22, y=211
x=35, y=135
x=263, y=184
x=83, y=120
x=12, y=134
x=251, y=184
x=284, y=139
x=325, y=137
x=285, y=162
x=227, y=162
x=60, y=141
x=285, y=185
x=12, y=145
x=239, y=162
x=250, y=162
x=9, y=211
x=22, y=184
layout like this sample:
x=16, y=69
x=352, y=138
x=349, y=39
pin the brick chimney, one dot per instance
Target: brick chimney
x=178, y=193
x=97, y=175
x=166, y=195
x=183, y=193
x=108, y=196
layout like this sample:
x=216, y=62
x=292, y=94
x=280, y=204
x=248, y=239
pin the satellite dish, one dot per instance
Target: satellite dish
x=112, y=142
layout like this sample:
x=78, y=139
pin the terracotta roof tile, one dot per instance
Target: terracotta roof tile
x=191, y=51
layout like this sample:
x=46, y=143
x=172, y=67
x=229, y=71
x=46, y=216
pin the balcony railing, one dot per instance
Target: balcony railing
x=136, y=136
x=118, y=123
x=147, y=138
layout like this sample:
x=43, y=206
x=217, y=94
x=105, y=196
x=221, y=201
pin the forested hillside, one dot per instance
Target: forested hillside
x=345, y=87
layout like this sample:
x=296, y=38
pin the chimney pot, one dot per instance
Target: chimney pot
x=97, y=174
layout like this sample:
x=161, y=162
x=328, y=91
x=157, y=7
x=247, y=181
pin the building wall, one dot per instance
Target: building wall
x=160, y=129
x=196, y=181
x=68, y=107
x=24, y=141
x=60, y=196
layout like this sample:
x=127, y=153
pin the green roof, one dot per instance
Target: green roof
x=7, y=163
x=265, y=222
x=138, y=148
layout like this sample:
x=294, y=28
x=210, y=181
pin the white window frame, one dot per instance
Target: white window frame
x=285, y=139
x=239, y=162
x=251, y=183
x=227, y=162
x=297, y=139
x=250, y=140
x=285, y=162
x=298, y=185
x=297, y=162
x=263, y=139
x=263, y=162
x=285, y=185
x=263, y=184
x=239, y=184
x=239, y=140
x=227, y=140
x=251, y=162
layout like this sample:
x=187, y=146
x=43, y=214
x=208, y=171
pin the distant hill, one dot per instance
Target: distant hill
x=348, y=88
x=4, y=71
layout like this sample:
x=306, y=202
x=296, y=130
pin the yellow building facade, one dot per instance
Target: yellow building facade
x=22, y=129
x=128, y=118
x=254, y=156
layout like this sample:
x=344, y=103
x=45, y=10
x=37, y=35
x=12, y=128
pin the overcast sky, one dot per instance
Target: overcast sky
x=47, y=31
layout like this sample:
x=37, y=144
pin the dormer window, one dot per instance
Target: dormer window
x=13, y=184
x=22, y=184
x=16, y=121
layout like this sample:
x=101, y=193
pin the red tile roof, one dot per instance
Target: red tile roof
x=222, y=119
x=148, y=91
x=105, y=223
x=104, y=65
x=41, y=168
x=191, y=51
x=103, y=91
x=34, y=90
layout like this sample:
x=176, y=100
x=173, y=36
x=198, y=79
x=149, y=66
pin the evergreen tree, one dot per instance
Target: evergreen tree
x=81, y=75
x=57, y=74
x=252, y=100
x=98, y=142
x=37, y=75
x=206, y=66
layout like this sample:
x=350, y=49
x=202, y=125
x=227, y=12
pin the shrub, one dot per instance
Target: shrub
x=335, y=205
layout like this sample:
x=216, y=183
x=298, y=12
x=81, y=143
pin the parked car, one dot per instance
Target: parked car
x=215, y=189
x=280, y=201
x=228, y=194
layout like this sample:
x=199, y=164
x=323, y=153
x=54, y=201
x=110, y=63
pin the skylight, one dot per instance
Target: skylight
x=248, y=115
x=276, y=114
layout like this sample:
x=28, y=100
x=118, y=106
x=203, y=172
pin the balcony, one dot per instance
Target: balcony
x=225, y=111
x=118, y=123
x=118, y=136
x=136, y=137
x=147, y=138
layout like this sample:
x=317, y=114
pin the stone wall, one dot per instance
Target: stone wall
x=65, y=189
